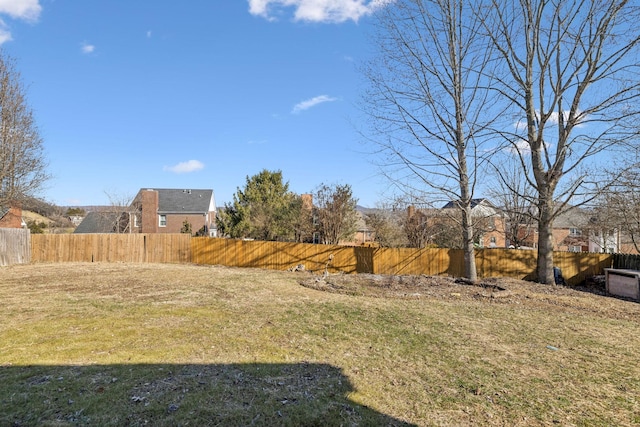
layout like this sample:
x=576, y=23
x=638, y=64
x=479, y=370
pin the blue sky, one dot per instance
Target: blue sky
x=196, y=94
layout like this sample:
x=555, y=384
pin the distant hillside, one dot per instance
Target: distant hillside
x=34, y=216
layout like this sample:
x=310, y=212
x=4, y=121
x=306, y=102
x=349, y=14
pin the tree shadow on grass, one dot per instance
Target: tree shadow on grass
x=303, y=394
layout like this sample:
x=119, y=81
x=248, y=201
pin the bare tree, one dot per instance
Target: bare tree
x=516, y=198
x=387, y=226
x=335, y=212
x=302, y=218
x=618, y=209
x=571, y=78
x=22, y=161
x=429, y=226
x=430, y=105
x=120, y=213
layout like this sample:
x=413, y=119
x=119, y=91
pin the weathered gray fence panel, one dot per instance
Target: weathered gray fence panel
x=626, y=261
x=15, y=246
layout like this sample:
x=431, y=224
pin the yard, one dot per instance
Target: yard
x=165, y=344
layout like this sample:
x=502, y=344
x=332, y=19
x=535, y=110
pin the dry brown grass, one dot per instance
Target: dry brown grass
x=129, y=344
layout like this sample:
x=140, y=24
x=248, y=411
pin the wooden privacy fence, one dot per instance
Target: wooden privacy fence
x=15, y=247
x=626, y=261
x=520, y=264
x=181, y=248
x=275, y=255
x=169, y=248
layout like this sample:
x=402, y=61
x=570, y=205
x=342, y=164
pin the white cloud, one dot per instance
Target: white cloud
x=554, y=117
x=305, y=105
x=28, y=10
x=319, y=10
x=521, y=124
x=87, y=48
x=185, y=167
x=522, y=147
x=5, y=34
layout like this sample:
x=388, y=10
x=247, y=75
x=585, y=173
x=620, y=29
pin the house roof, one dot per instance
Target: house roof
x=98, y=222
x=572, y=218
x=474, y=202
x=194, y=201
x=479, y=208
x=3, y=211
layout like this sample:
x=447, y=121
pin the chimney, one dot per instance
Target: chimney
x=149, y=201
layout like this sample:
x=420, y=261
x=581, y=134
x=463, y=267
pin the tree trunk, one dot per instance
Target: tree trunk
x=469, y=251
x=545, y=243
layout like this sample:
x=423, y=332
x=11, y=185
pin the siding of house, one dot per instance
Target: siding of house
x=564, y=241
x=495, y=238
x=12, y=218
x=627, y=247
x=153, y=204
x=176, y=221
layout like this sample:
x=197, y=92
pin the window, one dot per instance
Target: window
x=163, y=221
x=575, y=232
x=136, y=221
x=575, y=248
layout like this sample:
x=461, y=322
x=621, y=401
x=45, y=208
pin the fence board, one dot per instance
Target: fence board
x=519, y=264
x=168, y=248
x=15, y=246
x=626, y=261
x=576, y=267
x=418, y=261
x=181, y=248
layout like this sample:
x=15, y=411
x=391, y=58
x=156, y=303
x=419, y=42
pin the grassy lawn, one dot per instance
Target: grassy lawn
x=160, y=345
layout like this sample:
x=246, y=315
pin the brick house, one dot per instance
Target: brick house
x=576, y=231
x=489, y=223
x=157, y=210
x=441, y=227
x=11, y=217
x=165, y=210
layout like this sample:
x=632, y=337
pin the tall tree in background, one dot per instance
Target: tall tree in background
x=264, y=210
x=571, y=80
x=387, y=226
x=22, y=160
x=335, y=211
x=430, y=105
x=302, y=218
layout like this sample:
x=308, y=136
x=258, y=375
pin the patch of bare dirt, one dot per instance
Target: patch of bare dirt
x=491, y=291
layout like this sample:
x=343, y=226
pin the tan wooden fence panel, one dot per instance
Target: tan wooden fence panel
x=15, y=246
x=418, y=261
x=519, y=264
x=576, y=267
x=273, y=255
x=166, y=248
x=181, y=248
x=169, y=248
